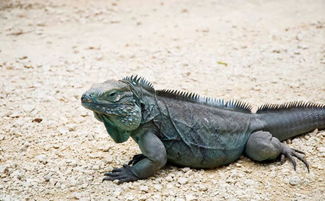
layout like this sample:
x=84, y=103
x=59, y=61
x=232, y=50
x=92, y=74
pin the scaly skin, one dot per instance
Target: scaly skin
x=193, y=131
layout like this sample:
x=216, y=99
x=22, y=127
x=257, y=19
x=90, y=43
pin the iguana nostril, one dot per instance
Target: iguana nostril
x=85, y=98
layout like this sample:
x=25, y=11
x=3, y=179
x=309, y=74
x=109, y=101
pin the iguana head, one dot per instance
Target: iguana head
x=115, y=104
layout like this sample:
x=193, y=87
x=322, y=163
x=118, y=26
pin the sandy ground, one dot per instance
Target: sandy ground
x=52, y=51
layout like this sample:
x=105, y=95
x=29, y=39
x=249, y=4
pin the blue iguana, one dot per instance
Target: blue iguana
x=189, y=130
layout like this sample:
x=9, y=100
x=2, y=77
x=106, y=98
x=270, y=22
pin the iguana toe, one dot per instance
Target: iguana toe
x=291, y=154
x=123, y=174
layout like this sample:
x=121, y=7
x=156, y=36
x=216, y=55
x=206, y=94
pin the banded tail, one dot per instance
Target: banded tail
x=291, y=119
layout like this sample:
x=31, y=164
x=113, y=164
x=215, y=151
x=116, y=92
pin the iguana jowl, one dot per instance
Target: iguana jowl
x=189, y=130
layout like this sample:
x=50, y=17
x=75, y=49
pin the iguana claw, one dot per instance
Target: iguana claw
x=123, y=174
x=290, y=154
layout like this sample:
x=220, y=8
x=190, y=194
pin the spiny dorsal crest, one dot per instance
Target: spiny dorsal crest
x=235, y=105
x=138, y=81
x=195, y=98
x=288, y=106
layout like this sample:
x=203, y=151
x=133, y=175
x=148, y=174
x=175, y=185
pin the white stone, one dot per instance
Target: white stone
x=182, y=180
x=41, y=158
x=158, y=187
x=28, y=108
x=295, y=181
x=190, y=197
x=144, y=188
x=47, y=178
x=63, y=130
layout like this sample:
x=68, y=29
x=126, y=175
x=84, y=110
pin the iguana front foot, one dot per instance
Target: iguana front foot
x=123, y=174
x=136, y=158
x=290, y=153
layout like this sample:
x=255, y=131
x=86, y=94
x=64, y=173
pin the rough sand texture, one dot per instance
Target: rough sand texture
x=52, y=51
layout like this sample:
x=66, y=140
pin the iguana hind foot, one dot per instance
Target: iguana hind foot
x=290, y=153
x=262, y=146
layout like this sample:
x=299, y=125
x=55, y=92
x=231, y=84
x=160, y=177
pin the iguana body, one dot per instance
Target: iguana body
x=193, y=131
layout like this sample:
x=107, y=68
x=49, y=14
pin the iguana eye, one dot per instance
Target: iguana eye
x=112, y=94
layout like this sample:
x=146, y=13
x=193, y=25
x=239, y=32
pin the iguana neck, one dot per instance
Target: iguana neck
x=149, y=108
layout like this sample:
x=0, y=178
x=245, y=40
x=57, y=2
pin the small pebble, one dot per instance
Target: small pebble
x=182, y=180
x=295, y=181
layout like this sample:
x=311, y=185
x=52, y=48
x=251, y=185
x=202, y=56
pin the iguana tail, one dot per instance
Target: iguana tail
x=291, y=119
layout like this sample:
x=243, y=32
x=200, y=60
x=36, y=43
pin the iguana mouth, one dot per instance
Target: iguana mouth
x=102, y=108
x=100, y=105
x=101, y=116
x=88, y=102
x=86, y=99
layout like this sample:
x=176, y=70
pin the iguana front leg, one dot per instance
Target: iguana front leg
x=136, y=158
x=262, y=146
x=155, y=157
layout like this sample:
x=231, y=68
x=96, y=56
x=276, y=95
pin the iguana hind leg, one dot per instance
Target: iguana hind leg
x=262, y=146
